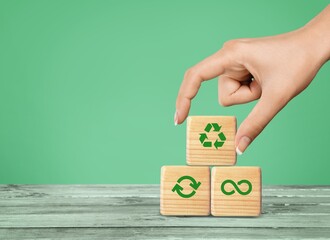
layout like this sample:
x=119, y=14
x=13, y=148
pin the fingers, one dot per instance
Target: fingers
x=233, y=92
x=209, y=68
x=264, y=111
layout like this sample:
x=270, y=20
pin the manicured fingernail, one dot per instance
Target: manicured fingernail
x=243, y=143
x=176, y=118
x=238, y=151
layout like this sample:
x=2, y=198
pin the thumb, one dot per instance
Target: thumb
x=263, y=112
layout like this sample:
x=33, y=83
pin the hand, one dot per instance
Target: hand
x=271, y=69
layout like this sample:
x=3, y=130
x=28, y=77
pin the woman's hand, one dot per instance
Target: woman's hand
x=271, y=69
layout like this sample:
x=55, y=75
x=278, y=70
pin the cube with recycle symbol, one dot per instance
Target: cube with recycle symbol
x=210, y=140
x=192, y=190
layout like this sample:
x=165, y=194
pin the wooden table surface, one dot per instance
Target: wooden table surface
x=132, y=212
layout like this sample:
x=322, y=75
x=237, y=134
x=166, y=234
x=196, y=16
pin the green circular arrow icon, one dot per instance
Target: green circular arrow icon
x=218, y=142
x=194, y=184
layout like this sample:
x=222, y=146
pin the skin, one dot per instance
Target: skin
x=272, y=69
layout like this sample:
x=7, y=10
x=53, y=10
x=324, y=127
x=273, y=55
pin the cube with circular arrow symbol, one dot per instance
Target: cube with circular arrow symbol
x=185, y=191
x=210, y=140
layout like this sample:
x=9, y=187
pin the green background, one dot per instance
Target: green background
x=88, y=89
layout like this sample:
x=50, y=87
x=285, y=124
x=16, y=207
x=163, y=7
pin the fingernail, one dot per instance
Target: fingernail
x=176, y=118
x=243, y=143
x=238, y=151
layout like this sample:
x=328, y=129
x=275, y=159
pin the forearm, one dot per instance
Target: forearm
x=317, y=34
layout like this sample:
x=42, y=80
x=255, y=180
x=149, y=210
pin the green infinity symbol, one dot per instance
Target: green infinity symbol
x=236, y=187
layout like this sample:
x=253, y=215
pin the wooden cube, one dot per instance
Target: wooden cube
x=185, y=191
x=236, y=191
x=210, y=140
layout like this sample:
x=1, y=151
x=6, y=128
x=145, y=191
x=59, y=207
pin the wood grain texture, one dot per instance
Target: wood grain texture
x=171, y=203
x=132, y=212
x=172, y=233
x=197, y=154
x=236, y=204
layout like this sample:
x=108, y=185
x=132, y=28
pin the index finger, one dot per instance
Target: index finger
x=207, y=69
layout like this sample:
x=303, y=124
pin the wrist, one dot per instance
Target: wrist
x=316, y=36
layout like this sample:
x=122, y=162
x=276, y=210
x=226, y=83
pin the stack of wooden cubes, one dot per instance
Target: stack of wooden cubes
x=198, y=190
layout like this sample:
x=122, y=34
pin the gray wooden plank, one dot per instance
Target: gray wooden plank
x=124, y=205
x=36, y=191
x=165, y=233
x=150, y=219
x=138, y=206
x=282, y=202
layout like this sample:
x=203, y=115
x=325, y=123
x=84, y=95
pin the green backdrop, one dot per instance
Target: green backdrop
x=88, y=89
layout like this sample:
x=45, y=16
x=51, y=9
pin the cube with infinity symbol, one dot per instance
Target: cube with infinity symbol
x=236, y=191
x=210, y=140
x=185, y=191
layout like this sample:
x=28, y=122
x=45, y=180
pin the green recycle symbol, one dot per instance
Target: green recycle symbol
x=218, y=142
x=195, y=185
